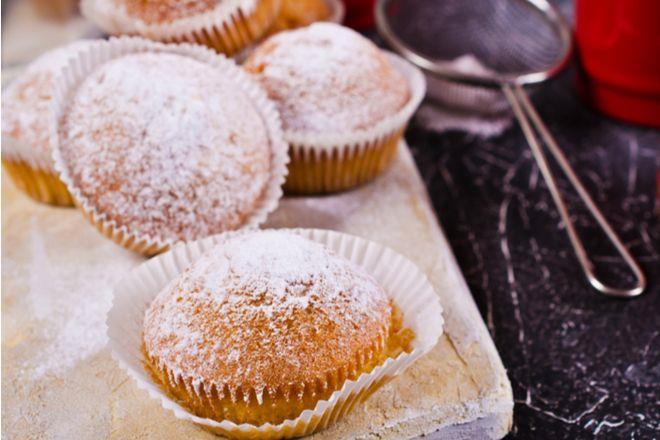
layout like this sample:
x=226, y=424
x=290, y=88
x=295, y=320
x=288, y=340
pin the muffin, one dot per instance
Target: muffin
x=298, y=13
x=26, y=114
x=265, y=325
x=344, y=103
x=161, y=147
x=224, y=25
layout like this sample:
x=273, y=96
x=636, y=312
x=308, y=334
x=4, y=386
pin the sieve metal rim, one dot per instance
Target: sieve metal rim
x=559, y=25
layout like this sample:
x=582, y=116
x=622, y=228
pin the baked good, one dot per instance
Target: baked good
x=265, y=325
x=344, y=103
x=298, y=13
x=26, y=113
x=161, y=147
x=224, y=25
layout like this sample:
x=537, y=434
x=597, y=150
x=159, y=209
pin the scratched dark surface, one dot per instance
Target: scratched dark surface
x=581, y=365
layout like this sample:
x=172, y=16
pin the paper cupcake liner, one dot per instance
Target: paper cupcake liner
x=41, y=184
x=87, y=61
x=33, y=173
x=227, y=28
x=16, y=150
x=224, y=402
x=313, y=171
x=402, y=280
x=334, y=162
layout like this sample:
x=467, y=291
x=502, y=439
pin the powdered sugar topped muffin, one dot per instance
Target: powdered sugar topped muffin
x=344, y=103
x=26, y=101
x=166, y=147
x=263, y=326
x=327, y=78
x=224, y=25
x=26, y=112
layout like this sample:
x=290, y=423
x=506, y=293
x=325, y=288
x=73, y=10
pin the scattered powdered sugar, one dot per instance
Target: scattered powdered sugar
x=439, y=119
x=166, y=146
x=70, y=302
x=326, y=78
x=26, y=103
x=452, y=106
x=266, y=309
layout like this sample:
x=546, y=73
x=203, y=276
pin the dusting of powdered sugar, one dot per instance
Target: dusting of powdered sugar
x=451, y=106
x=154, y=12
x=69, y=301
x=160, y=11
x=326, y=78
x=26, y=103
x=265, y=309
x=166, y=146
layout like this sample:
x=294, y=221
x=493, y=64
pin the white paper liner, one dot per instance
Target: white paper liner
x=33, y=172
x=402, y=280
x=87, y=61
x=205, y=28
x=304, y=143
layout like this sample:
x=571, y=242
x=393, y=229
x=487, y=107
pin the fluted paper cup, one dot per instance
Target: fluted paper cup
x=402, y=280
x=35, y=178
x=101, y=52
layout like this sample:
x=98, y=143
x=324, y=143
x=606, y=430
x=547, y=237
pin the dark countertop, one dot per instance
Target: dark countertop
x=580, y=364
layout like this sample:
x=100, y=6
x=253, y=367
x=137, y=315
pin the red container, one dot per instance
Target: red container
x=618, y=44
x=359, y=14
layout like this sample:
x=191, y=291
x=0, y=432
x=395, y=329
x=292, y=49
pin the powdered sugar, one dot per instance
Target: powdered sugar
x=441, y=119
x=265, y=309
x=163, y=11
x=327, y=78
x=166, y=146
x=69, y=301
x=166, y=17
x=452, y=106
x=26, y=105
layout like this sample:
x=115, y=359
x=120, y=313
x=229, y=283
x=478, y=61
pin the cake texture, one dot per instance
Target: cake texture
x=167, y=148
x=264, y=326
x=26, y=113
x=344, y=103
x=226, y=26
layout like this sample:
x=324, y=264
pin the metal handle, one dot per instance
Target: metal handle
x=528, y=117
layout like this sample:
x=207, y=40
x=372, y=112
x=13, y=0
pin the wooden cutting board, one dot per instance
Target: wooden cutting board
x=60, y=382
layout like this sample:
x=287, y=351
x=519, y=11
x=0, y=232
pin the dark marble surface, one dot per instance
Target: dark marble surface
x=581, y=364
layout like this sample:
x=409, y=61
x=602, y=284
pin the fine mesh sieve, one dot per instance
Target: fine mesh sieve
x=480, y=54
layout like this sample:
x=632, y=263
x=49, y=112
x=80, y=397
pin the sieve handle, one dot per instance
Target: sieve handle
x=529, y=119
